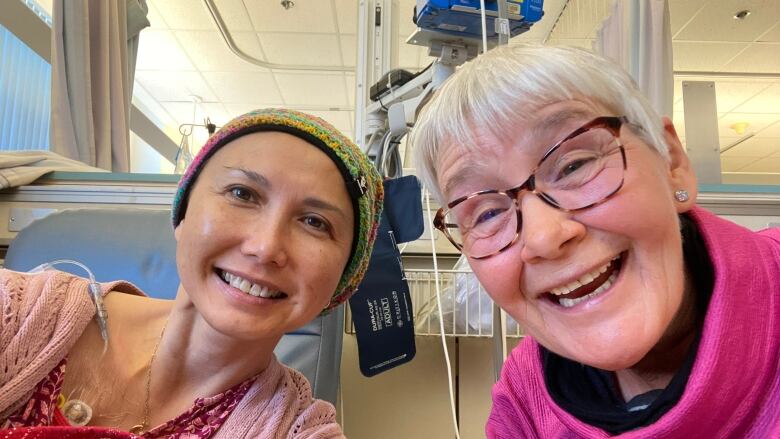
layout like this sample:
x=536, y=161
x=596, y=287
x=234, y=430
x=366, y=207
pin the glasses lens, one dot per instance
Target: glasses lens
x=485, y=223
x=582, y=170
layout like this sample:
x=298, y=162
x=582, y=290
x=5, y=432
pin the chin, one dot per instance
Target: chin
x=610, y=354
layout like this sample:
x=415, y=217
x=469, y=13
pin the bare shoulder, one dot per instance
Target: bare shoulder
x=100, y=378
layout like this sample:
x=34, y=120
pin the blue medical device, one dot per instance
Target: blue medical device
x=463, y=17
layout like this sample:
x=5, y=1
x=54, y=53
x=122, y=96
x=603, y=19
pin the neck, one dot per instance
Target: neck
x=657, y=368
x=195, y=360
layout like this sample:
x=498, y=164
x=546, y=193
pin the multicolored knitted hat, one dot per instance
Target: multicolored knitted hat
x=363, y=182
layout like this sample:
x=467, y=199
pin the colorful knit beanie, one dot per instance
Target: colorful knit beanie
x=363, y=182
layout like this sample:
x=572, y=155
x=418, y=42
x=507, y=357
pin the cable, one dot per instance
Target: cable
x=94, y=293
x=441, y=316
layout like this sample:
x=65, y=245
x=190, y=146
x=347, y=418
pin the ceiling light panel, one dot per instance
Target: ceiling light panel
x=159, y=50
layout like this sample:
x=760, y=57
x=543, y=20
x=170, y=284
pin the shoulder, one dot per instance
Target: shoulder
x=280, y=404
x=519, y=397
x=314, y=417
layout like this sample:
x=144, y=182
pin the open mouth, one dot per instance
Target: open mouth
x=248, y=287
x=588, y=285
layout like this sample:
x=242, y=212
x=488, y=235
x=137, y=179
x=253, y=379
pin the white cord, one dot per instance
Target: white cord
x=484, y=26
x=441, y=316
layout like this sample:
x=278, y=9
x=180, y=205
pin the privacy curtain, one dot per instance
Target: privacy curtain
x=94, y=47
x=637, y=35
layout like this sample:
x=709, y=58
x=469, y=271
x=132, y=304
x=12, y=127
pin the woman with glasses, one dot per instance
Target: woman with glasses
x=574, y=203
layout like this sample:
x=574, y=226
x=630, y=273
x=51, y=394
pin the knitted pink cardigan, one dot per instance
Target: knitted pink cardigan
x=734, y=388
x=44, y=314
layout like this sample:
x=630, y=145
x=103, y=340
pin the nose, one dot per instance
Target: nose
x=266, y=241
x=547, y=232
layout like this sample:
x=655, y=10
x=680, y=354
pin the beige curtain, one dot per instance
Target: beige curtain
x=637, y=34
x=94, y=46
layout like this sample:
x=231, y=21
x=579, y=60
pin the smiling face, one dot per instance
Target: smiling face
x=624, y=255
x=266, y=236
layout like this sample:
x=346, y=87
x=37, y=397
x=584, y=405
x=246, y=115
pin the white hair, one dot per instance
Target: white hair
x=510, y=84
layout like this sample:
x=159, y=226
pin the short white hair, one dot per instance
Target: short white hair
x=510, y=84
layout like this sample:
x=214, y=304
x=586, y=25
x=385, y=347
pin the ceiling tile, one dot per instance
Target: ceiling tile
x=349, y=50
x=682, y=11
x=771, y=131
x=757, y=122
x=730, y=94
x=156, y=20
x=301, y=49
x=307, y=16
x=704, y=56
x=235, y=110
x=243, y=87
x=773, y=35
x=185, y=15
x=174, y=86
x=159, y=50
x=766, y=164
x=347, y=16
x=323, y=89
x=235, y=16
x=752, y=147
x=339, y=119
x=716, y=21
x=209, y=52
x=758, y=58
x=768, y=101
x=350, y=84
x=734, y=164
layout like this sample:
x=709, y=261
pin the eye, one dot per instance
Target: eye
x=488, y=215
x=573, y=166
x=241, y=193
x=316, y=223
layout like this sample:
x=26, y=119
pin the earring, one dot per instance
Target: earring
x=681, y=195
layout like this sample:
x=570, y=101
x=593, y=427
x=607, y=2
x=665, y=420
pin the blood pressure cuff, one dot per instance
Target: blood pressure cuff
x=382, y=307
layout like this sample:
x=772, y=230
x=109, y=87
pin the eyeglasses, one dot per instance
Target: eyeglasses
x=582, y=170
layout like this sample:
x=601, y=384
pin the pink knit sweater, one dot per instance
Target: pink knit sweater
x=43, y=315
x=734, y=388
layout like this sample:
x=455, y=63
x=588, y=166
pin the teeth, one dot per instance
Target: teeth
x=584, y=280
x=568, y=303
x=248, y=287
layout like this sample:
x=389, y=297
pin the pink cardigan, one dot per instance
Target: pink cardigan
x=734, y=388
x=42, y=316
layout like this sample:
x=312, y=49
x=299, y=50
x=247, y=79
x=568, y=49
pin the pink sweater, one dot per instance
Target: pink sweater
x=734, y=388
x=43, y=315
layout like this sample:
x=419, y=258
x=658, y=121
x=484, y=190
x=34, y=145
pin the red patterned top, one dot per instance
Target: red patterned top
x=41, y=418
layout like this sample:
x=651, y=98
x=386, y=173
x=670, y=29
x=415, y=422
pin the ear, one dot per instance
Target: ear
x=681, y=174
x=177, y=230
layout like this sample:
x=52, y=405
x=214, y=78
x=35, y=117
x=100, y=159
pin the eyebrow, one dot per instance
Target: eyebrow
x=252, y=175
x=263, y=182
x=555, y=120
x=469, y=172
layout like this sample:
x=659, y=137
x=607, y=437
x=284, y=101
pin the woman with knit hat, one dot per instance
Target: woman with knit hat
x=274, y=223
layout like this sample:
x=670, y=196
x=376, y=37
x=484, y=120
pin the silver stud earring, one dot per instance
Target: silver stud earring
x=681, y=195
